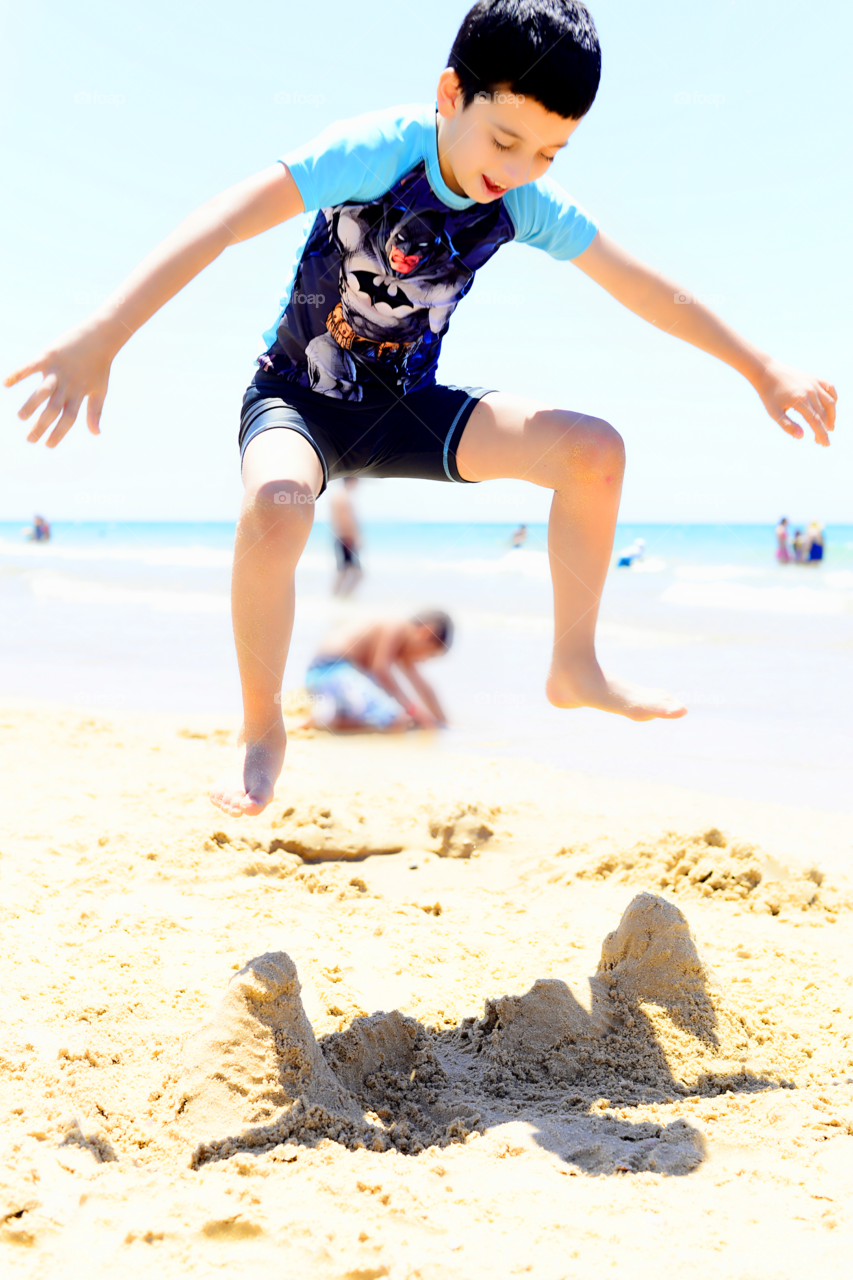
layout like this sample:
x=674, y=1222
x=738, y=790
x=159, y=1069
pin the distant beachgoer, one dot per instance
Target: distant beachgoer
x=629, y=555
x=347, y=537
x=799, y=545
x=783, y=555
x=519, y=538
x=815, y=540
x=352, y=679
x=39, y=531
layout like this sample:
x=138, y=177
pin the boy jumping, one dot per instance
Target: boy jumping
x=411, y=202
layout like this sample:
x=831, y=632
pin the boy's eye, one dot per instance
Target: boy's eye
x=547, y=159
x=500, y=145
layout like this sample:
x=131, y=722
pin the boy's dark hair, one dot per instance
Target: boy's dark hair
x=439, y=623
x=544, y=49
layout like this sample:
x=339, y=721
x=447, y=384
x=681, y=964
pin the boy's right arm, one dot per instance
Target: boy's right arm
x=386, y=655
x=77, y=365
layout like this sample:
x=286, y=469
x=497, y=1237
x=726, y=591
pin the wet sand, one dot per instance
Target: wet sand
x=428, y=1016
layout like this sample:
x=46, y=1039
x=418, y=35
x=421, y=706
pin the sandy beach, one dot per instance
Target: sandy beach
x=429, y=1016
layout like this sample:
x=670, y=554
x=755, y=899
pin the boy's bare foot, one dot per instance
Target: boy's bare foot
x=248, y=786
x=586, y=685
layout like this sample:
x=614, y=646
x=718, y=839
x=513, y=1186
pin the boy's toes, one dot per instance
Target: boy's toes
x=674, y=711
x=221, y=799
x=663, y=707
x=654, y=704
x=247, y=805
x=238, y=802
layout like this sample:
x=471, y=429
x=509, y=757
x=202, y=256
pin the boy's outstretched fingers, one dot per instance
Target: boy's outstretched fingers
x=49, y=414
x=812, y=409
x=25, y=371
x=65, y=423
x=74, y=369
x=94, y=409
x=829, y=397
x=813, y=398
x=46, y=388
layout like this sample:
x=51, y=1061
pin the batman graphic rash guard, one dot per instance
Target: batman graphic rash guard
x=391, y=252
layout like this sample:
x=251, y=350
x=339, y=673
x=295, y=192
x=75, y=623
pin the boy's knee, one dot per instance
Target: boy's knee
x=282, y=504
x=594, y=450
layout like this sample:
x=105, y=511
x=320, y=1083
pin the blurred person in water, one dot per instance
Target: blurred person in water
x=38, y=531
x=630, y=555
x=783, y=555
x=352, y=680
x=347, y=537
x=814, y=537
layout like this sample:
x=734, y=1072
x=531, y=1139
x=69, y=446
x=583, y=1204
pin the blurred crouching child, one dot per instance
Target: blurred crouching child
x=352, y=679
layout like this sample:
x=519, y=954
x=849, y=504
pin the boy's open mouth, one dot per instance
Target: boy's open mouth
x=493, y=188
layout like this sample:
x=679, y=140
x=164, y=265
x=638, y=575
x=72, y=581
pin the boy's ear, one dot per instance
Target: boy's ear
x=448, y=94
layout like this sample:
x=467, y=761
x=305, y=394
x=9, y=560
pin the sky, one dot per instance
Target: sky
x=717, y=150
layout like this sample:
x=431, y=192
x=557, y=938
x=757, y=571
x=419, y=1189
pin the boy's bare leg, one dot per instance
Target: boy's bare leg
x=281, y=474
x=582, y=459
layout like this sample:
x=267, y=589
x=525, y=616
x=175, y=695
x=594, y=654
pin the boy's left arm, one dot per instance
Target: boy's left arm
x=424, y=690
x=656, y=298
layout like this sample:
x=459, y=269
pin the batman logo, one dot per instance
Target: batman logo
x=380, y=292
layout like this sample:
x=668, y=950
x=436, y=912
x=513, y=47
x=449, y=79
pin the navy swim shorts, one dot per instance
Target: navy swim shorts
x=415, y=435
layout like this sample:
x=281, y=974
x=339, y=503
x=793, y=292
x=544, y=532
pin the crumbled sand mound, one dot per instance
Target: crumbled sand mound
x=544, y=1035
x=663, y=995
x=255, y=1077
x=655, y=1018
x=708, y=865
x=652, y=956
x=357, y=828
x=463, y=831
x=256, y=1058
x=317, y=833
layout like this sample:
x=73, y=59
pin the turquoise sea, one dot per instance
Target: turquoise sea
x=136, y=615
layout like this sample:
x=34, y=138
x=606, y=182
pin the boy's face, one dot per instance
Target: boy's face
x=499, y=141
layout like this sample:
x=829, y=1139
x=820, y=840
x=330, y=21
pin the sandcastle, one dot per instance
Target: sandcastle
x=256, y=1077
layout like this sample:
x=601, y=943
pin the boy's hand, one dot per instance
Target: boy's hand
x=421, y=716
x=76, y=366
x=661, y=301
x=782, y=387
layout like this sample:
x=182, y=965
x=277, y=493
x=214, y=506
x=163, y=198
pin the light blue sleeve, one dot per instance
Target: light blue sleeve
x=545, y=216
x=359, y=159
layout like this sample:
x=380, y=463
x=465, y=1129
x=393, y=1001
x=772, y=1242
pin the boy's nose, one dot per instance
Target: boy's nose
x=516, y=174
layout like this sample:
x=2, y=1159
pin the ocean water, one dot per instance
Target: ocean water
x=133, y=615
